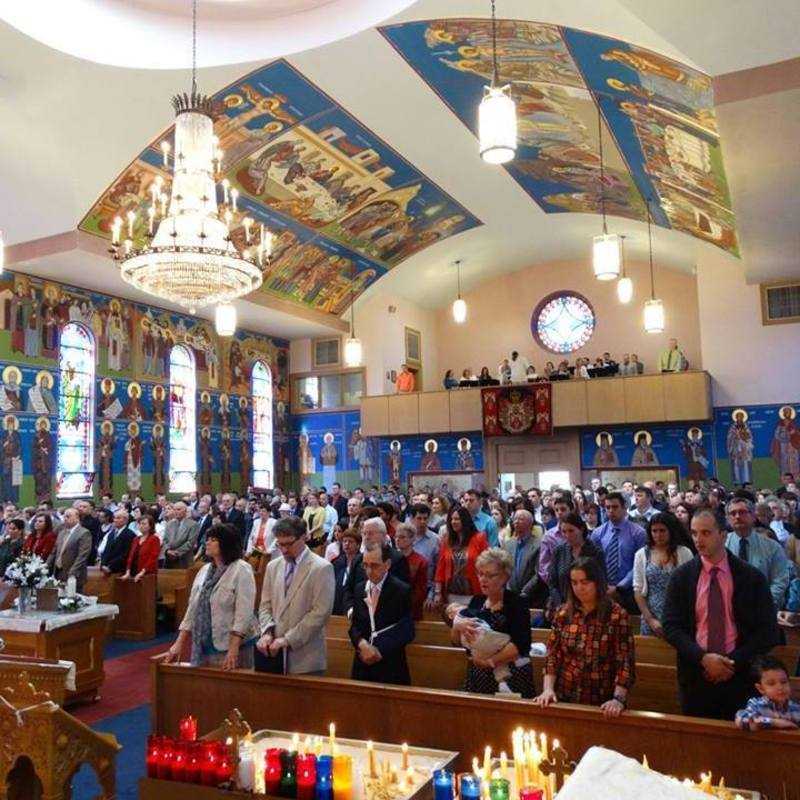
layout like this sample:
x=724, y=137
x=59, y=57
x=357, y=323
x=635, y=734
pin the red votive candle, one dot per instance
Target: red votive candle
x=209, y=764
x=188, y=729
x=179, y=761
x=165, y=759
x=194, y=761
x=531, y=793
x=224, y=767
x=306, y=776
x=273, y=770
x=153, y=755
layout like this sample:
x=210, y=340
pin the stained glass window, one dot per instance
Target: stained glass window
x=262, y=426
x=182, y=421
x=76, y=364
x=563, y=322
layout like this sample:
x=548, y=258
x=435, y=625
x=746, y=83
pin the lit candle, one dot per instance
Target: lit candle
x=306, y=776
x=273, y=770
x=332, y=737
x=487, y=762
x=165, y=148
x=470, y=787
x=324, y=778
x=543, y=739
x=163, y=200
x=247, y=222
x=373, y=773
x=153, y=755
x=131, y=219
x=288, y=787
x=155, y=191
x=226, y=185
x=476, y=766
x=128, y=248
x=503, y=764
x=295, y=742
x=116, y=227
x=342, y=778
x=151, y=214
x=187, y=728
x=645, y=763
x=209, y=764
x=72, y=583
x=228, y=219
x=247, y=767
x=234, y=197
x=317, y=746
x=499, y=789
x=442, y=785
x=531, y=793
x=404, y=751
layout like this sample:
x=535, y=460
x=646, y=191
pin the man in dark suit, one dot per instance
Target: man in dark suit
x=204, y=522
x=374, y=532
x=338, y=500
x=719, y=616
x=233, y=516
x=89, y=521
x=116, y=544
x=381, y=625
x=524, y=550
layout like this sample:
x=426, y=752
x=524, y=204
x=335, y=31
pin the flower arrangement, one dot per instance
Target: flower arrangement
x=27, y=571
x=72, y=604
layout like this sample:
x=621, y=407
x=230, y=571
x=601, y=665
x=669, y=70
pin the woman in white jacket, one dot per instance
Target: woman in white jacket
x=220, y=617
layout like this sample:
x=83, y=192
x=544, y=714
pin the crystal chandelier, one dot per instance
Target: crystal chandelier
x=606, y=248
x=189, y=257
x=497, y=115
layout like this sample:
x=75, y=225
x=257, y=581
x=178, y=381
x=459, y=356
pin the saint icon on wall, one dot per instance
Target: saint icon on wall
x=40, y=396
x=224, y=410
x=696, y=456
x=605, y=456
x=10, y=398
x=42, y=460
x=643, y=453
x=133, y=459
x=105, y=457
x=205, y=415
x=109, y=407
x=245, y=461
x=305, y=458
x=361, y=447
x=159, y=447
x=206, y=461
x=395, y=461
x=134, y=410
x=785, y=448
x=740, y=447
x=328, y=455
x=465, y=457
x=225, y=458
x=11, y=453
x=430, y=461
x=159, y=397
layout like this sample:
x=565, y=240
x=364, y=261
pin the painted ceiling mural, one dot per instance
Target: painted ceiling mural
x=660, y=113
x=344, y=206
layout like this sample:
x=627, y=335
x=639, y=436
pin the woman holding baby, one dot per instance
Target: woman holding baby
x=496, y=630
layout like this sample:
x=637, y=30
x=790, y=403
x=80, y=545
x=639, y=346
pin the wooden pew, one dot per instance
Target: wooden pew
x=426, y=632
x=466, y=723
x=99, y=585
x=173, y=587
x=137, y=608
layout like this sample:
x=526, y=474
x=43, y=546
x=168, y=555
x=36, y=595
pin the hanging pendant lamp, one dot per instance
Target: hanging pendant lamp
x=353, y=351
x=624, y=284
x=497, y=115
x=459, y=304
x=606, y=248
x=653, y=308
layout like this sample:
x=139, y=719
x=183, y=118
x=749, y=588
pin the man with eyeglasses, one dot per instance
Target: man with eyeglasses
x=296, y=603
x=765, y=554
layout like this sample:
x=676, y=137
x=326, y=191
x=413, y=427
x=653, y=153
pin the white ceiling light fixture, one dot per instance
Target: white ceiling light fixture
x=497, y=115
x=624, y=284
x=653, y=308
x=606, y=248
x=187, y=255
x=353, y=351
x=225, y=319
x=459, y=304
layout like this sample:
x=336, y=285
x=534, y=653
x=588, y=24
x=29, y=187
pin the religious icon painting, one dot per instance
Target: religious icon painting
x=430, y=460
x=40, y=396
x=465, y=458
x=643, y=453
x=605, y=455
x=395, y=461
x=42, y=459
x=694, y=451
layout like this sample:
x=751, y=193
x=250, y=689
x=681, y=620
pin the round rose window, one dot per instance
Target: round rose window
x=563, y=322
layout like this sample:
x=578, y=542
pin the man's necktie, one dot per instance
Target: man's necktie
x=612, y=558
x=716, y=615
x=744, y=548
x=288, y=574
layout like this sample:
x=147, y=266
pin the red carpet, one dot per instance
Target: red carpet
x=126, y=686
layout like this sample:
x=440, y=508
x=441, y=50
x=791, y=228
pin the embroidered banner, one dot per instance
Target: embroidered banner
x=518, y=410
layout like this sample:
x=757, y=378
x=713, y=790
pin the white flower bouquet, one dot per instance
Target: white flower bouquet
x=71, y=604
x=27, y=571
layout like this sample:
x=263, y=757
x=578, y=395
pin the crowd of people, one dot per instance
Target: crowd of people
x=709, y=571
x=518, y=369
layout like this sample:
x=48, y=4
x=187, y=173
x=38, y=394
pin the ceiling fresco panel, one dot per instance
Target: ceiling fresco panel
x=663, y=143
x=344, y=205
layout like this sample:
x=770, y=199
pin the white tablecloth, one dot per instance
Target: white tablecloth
x=38, y=621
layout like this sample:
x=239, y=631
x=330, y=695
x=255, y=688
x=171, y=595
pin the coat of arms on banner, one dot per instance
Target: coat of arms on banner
x=516, y=410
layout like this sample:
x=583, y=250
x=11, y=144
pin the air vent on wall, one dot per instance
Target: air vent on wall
x=780, y=302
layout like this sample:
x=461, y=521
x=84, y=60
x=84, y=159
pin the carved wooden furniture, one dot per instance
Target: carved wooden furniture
x=46, y=674
x=43, y=747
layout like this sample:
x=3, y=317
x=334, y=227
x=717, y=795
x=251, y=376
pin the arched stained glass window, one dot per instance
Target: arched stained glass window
x=76, y=365
x=563, y=322
x=262, y=427
x=182, y=421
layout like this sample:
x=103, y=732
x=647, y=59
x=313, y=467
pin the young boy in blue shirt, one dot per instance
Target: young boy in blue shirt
x=774, y=708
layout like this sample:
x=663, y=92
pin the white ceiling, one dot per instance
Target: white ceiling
x=70, y=126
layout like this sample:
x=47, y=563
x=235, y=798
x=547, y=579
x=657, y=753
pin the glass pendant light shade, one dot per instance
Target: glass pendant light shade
x=653, y=316
x=460, y=310
x=225, y=319
x=625, y=290
x=353, y=352
x=497, y=125
x=607, y=256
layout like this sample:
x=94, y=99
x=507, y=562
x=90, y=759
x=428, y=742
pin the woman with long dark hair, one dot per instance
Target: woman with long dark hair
x=42, y=539
x=590, y=656
x=653, y=566
x=458, y=551
x=144, y=551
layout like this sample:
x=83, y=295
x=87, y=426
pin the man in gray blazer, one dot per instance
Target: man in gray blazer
x=296, y=603
x=180, y=538
x=524, y=550
x=70, y=556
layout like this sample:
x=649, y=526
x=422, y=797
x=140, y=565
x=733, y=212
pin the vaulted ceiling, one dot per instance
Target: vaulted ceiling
x=361, y=156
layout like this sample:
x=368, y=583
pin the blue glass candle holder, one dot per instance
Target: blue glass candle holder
x=324, y=788
x=442, y=785
x=470, y=787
